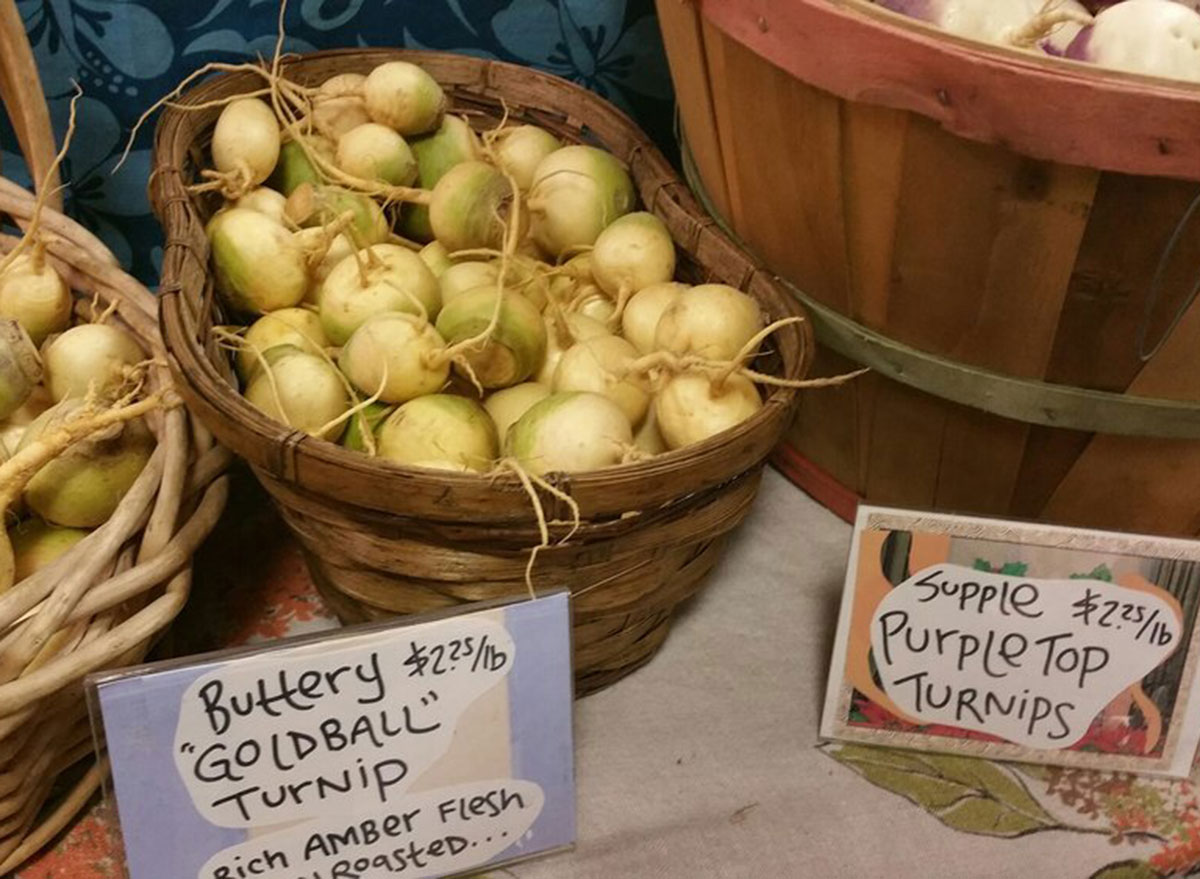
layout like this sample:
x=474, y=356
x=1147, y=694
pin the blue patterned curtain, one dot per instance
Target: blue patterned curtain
x=127, y=54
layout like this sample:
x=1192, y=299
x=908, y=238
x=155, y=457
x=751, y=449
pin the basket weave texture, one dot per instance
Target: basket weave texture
x=106, y=601
x=383, y=539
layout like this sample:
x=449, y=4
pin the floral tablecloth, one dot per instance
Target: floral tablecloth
x=706, y=762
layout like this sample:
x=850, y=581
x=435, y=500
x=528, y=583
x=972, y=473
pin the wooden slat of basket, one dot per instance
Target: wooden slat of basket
x=21, y=91
x=66, y=744
x=693, y=95
x=813, y=175
x=869, y=186
x=172, y=558
x=12, y=726
x=875, y=142
x=1116, y=269
x=637, y=587
x=1121, y=471
x=918, y=451
x=127, y=520
x=42, y=759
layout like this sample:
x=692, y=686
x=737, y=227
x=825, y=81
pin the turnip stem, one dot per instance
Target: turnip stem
x=1045, y=23
x=323, y=166
x=21, y=467
x=35, y=217
x=358, y=408
x=830, y=382
x=528, y=481
x=749, y=349
x=168, y=98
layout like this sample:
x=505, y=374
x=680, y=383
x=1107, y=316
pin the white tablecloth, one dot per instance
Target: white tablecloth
x=705, y=763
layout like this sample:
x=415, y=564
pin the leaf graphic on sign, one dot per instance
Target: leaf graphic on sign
x=1009, y=569
x=964, y=793
x=1127, y=870
x=1100, y=572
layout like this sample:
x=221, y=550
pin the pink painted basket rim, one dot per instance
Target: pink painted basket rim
x=1042, y=107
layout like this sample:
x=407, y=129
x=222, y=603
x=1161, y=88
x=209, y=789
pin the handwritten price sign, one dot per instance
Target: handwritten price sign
x=310, y=733
x=422, y=835
x=1018, y=641
x=420, y=750
x=1030, y=660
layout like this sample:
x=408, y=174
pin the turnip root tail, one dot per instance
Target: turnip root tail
x=574, y=249
x=488, y=139
x=528, y=482
x=37, y=259
x=749, y=349
x=1052, y=16
x=235, y=342
x=319, y=249
x=832, y=381
x=414, y=246
x=562, y=330
x=719, y=371
x=631, y=454
x=232, y=184
x=624, y=294
x=281, y=88
x=295, y=91
x=35, y=218
x=16, y=472
x=413, y=300
x=356, y=411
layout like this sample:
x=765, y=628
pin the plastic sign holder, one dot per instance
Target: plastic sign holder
x=1018, y=641
x=423, y=747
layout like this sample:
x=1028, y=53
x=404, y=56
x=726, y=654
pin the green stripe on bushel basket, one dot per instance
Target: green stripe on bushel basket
x=1026, y=400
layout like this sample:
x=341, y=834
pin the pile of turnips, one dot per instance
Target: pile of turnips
x=1151, y=37
x=73, y=438
x=66, y=464
x=460, y=300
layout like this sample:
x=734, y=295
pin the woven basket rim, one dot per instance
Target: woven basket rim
x=292, y=450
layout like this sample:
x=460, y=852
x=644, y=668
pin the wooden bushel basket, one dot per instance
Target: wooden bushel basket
x=1011, y=242
x=383, y=539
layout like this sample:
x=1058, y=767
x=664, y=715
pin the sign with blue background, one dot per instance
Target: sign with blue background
x=418, y=750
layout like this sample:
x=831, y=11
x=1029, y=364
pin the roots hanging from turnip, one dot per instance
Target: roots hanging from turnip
x=91, y=416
